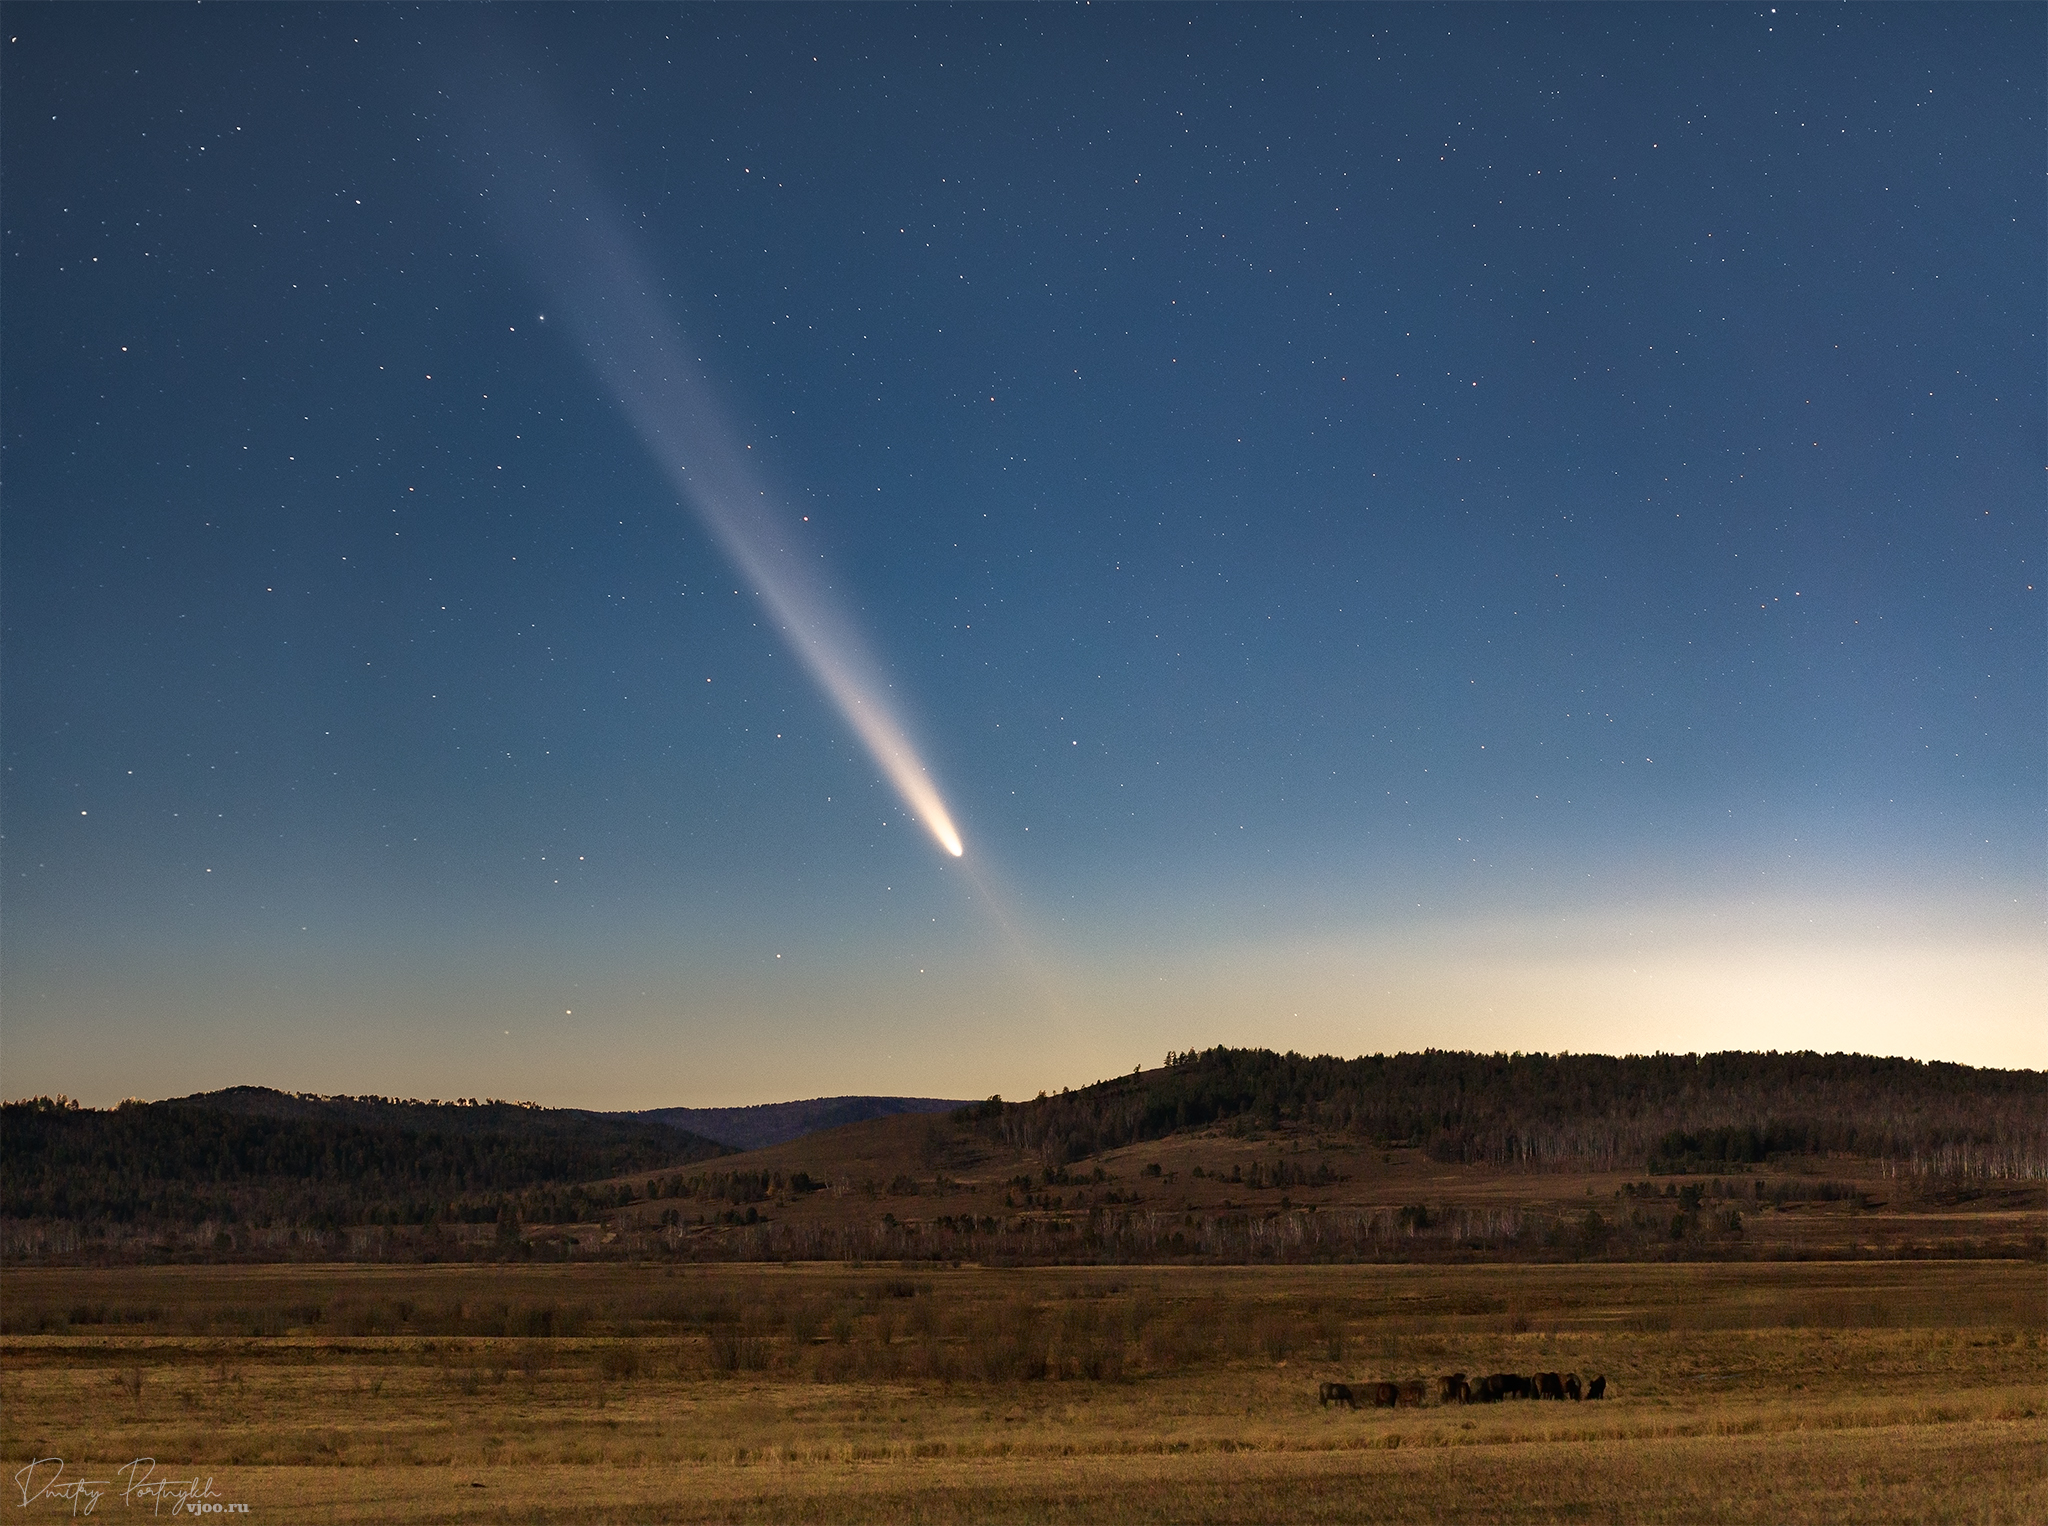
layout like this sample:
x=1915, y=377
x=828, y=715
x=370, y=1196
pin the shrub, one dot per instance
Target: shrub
x=733, y=1352
x=620, y=1361
x=1276, y=1336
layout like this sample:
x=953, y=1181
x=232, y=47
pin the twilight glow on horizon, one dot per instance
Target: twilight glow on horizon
x=695, y=556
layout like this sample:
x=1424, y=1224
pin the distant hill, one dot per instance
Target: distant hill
x=250, y=1155
x=774, y=1123
x=1579, y=1111
x=1234, y=1154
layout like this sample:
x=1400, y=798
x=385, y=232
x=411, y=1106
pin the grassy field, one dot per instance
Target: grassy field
x=1780, y=1391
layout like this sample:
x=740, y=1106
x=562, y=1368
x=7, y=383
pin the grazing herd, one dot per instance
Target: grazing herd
x=1456, y=1388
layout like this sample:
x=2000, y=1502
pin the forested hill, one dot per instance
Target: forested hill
x=773, y=1123
x=250, y=1154
x=1569, y=1111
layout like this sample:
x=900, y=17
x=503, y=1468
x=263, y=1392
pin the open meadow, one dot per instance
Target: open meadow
x=1888, y=1390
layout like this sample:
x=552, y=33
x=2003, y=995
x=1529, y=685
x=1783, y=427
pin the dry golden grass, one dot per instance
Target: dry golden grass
x=1862, y=1391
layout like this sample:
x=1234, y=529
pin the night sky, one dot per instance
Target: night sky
x=1385, y=528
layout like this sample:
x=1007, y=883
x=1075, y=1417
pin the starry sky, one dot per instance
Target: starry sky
x=1504, y=528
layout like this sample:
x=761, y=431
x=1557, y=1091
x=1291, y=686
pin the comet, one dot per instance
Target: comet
x=583, y=256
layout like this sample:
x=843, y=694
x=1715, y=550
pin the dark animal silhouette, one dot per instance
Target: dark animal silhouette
x=1411, y=1392
x=1597, y=1389
x=1385, y=1395
x=1451, y=1389
x=1571, y=1386
x=1549, y=1385
x=1339, y=1393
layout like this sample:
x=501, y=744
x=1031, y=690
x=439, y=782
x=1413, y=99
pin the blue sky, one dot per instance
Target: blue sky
x=1477, y=527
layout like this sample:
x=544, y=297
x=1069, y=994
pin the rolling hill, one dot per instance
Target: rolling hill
x=1223, y=1155
x=250, y=1158
x=773, y=1123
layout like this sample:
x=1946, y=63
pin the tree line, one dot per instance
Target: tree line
x=1663, y=1112
x=257, y=1160
x=261, y=1157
